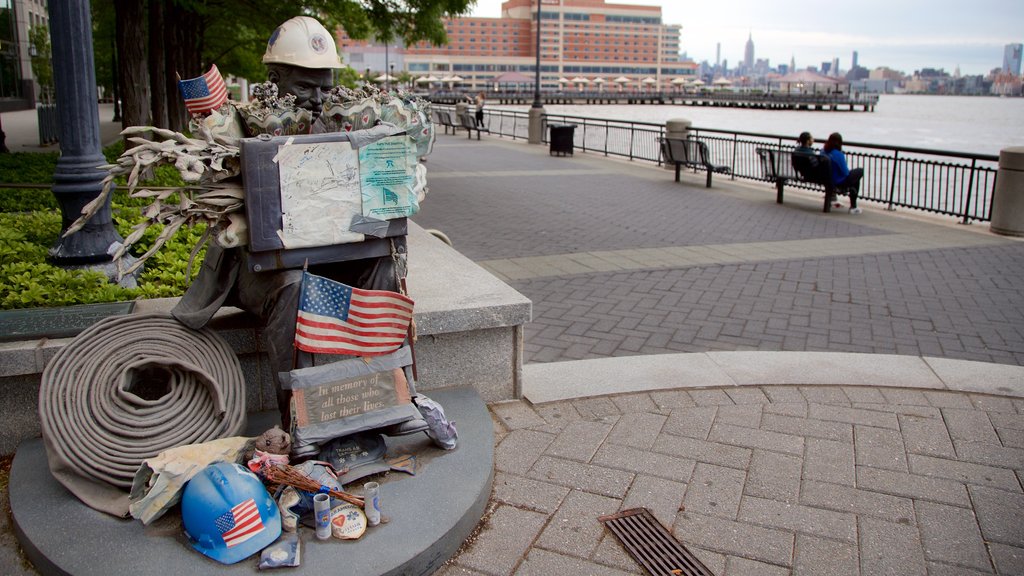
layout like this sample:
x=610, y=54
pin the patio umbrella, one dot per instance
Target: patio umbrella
x=563, y=80
x=384, y=78
x=680, y=80
x=456, y=78
x=722, y=82
x=600, y=83
x=581, y=81
x=620, y=81
x=425, y=79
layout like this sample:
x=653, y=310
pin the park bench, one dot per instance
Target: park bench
x=443, y=118
x=692, y=154
x=469, y=123
x=780, y=167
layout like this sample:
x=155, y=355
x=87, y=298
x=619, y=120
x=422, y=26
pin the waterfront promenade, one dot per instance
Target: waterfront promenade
x=751, y=372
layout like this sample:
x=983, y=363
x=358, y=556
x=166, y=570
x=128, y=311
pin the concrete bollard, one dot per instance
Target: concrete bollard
x=676, y=128
x=1008, y=200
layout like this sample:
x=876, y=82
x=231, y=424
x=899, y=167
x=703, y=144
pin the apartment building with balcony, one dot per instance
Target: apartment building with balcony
x=579, y=39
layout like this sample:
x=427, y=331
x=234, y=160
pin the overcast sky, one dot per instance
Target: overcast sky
x=903, y=34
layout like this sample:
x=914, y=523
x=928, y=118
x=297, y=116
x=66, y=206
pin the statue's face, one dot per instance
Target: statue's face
x=309, y=85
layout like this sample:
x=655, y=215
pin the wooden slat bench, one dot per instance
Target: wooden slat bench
x=779, y=168
x=692, y=154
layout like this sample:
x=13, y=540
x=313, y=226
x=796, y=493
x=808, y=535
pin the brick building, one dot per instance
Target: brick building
x=579, y=39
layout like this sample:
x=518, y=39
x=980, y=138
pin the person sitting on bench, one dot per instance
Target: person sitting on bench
x=813, y=166
x=842, y=177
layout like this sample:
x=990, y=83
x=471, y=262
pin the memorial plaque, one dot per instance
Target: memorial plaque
x=60, y=322
x=349, y=397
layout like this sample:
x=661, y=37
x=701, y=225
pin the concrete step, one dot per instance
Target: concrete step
x=431, y=514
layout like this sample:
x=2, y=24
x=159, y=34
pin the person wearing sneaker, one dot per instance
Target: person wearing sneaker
x=846, y=180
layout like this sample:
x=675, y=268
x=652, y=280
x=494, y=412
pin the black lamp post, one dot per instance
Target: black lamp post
x=536, y=79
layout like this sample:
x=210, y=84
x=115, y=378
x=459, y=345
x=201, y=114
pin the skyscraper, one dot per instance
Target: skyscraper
x=1011, y=59
x=853, y=61
x=748, y=53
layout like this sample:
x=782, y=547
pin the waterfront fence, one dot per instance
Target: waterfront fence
x=957, y=184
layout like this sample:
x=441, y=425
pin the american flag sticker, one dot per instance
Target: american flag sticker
x=240, y=523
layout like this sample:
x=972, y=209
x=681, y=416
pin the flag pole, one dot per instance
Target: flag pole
x=412, y=334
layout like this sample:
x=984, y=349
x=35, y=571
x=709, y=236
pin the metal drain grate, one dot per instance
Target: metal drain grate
x=652, y=545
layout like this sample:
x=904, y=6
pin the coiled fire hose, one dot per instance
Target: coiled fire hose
x=128, y=388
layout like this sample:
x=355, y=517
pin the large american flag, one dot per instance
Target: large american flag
x=240, y=523
x=338, y=319
x=205, y=93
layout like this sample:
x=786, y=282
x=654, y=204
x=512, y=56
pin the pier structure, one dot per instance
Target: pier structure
x=770, y=101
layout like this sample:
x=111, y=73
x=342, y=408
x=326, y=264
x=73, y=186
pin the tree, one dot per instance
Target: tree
x=41, y=55
x=198, y=33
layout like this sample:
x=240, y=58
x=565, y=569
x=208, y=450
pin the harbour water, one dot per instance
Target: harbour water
x=982, y=125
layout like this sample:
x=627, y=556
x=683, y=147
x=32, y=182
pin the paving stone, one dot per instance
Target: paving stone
x=774, y=476
x=992, y=403
x=703, y=451
x=628, y=403
x=1009, y=421
x=456, y=570
x=579, y=440
x=829, y=395
x=1000, y=515
x=852, y=416
x=517, y=414
x=784, y=394
x=1008, y=559
x=880, y=448
x=595, y=408
x=544, y=563
x=951, y=535
x=861, y=502
x=526, y=493
x=520, y=449
x=939, y=569
x=736, y=566
x=794, y=409
x=746, y=415
x=611, y=553
x=747, y=395
x=942, y=399
x=819, y=557
x=662, y=497
x=863, y=394
x=669, y=399
x=643, y=462
x=558, y=415
x=735, y=538
x=506, y=536
x=971, y=425
x=904, y=396
x=749, y=438
x=909, y=409
x=799, y=518
x=691, y=422
x=829, y=461
x=926, y=436
x=713, y=561
x=1011, y=438
x=839, y=431
x=912, y=486
x=714, y=491
x=990, y=454
x=711, y=397
x=966, y=472
x=588, y=477
x=574, y=529
x=638, y=430
x=888, y=549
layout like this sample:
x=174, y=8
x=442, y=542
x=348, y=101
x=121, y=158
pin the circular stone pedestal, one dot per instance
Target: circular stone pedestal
x=430, y=514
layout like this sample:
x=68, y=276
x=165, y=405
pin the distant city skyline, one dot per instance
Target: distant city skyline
x=905, y=35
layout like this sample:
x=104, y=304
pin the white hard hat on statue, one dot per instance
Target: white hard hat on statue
x=302, y=41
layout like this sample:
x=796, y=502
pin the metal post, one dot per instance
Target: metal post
x=535, y=134
x=892, y=182
x=76, y=178
x=387, y=79
x=970, y=192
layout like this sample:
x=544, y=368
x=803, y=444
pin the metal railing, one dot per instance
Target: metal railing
x=958, y=184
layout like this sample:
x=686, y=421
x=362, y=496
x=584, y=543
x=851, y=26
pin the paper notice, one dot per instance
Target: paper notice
x=388, y=172
x=320, y=194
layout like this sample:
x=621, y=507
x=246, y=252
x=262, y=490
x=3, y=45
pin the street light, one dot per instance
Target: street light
x=536, y=79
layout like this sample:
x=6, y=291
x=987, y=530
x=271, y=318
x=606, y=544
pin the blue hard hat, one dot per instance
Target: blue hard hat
x=228, y=514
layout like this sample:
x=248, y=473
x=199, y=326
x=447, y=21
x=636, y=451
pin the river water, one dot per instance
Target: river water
x=982, y=125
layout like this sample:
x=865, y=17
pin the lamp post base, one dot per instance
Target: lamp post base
x=536, y=131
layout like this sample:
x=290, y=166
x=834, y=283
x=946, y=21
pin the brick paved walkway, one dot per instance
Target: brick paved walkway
x=761, y=481
x=620, y=260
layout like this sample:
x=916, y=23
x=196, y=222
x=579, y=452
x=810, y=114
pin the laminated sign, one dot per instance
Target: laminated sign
x=387, y=168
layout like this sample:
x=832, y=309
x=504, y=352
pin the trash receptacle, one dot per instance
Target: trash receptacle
x=561, y=139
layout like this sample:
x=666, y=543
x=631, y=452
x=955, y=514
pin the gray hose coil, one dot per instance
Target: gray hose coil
x=100, y=430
